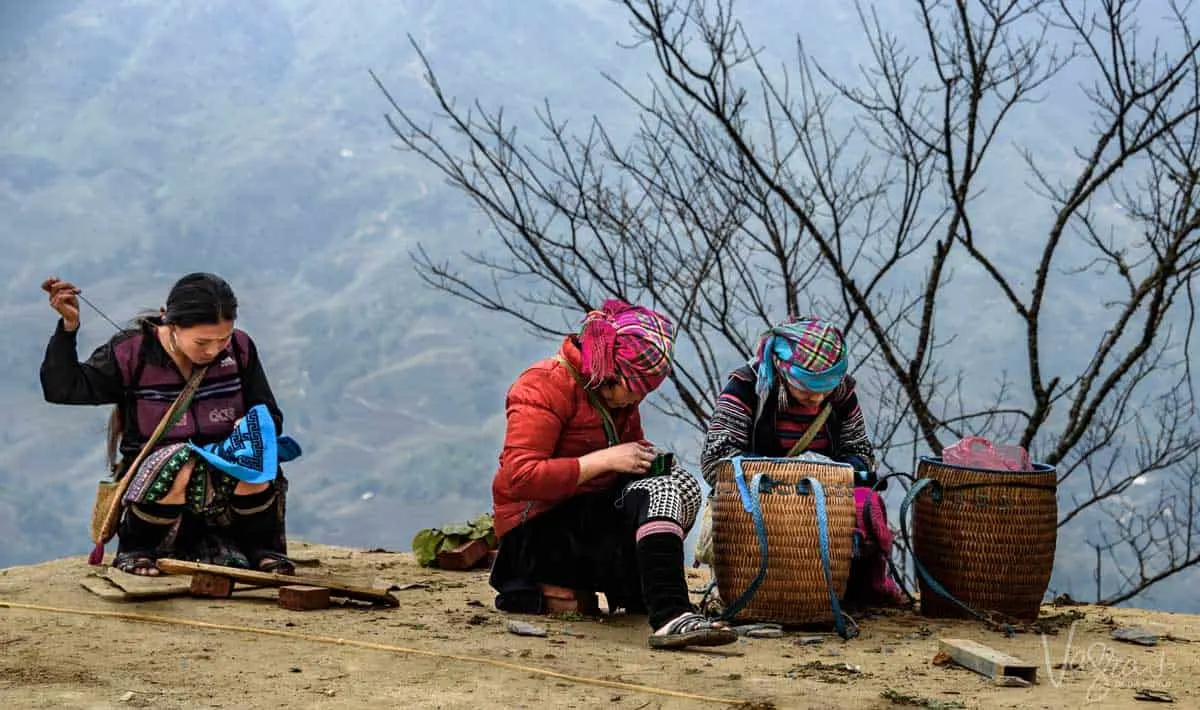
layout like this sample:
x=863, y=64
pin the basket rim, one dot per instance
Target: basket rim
x=786, y=459
x=1038, y=468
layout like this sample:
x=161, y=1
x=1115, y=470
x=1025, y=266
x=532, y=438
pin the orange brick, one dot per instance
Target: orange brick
x=560, y=600
x=301, y=597
x=211, y=585
x=465, y=556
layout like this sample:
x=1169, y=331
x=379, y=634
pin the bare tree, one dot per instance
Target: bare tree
x=746, y=192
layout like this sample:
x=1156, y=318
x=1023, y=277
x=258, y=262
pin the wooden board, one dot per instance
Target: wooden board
x=270, y=579
x=987, y=661
x=117, y=586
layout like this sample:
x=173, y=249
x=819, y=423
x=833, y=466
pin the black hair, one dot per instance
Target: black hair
x=200, y=299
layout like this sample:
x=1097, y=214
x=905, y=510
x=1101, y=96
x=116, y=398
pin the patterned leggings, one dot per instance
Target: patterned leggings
x=675, y=496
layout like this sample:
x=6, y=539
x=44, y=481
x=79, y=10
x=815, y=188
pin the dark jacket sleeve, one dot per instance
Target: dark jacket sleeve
x=255, y=387
x=65, y=380
x=852, y=441
x=729, y=427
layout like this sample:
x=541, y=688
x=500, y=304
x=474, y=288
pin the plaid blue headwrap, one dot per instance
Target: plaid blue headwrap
x=809, y=353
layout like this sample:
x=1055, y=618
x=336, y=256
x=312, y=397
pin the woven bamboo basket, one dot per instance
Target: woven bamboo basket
x=794, y=590
x=987, y=537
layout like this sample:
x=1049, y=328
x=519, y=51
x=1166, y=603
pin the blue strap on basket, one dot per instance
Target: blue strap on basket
x=752, y=503
x=913, y=492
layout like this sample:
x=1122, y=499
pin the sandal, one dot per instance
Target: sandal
x=691, y=629
x=274, y=563
x=143, y=564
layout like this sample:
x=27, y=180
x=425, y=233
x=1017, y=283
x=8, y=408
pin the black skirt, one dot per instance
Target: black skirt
x=584, y=543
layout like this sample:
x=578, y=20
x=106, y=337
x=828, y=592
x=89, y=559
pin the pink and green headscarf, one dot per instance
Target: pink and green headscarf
x=630, y=344
x=808, y=353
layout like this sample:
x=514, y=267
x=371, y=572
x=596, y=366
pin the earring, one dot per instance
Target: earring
x=172, y=345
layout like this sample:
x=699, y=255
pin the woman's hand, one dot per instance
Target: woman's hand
x=633, y=457
x=64, y=299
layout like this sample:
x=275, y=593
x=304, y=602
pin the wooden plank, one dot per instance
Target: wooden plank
x=108, y=590
x=140, y=585
x=986, y=660
x=270, y=579
x=105, y=589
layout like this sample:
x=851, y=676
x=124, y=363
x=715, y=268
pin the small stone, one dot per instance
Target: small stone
x=127, y=696
x=1135, y=634
x=810, y=640
x=521, y=628
x=294, y=669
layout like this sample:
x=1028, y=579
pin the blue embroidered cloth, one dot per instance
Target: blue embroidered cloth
x=254, y=450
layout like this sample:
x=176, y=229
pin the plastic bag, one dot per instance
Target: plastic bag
x=978, y=452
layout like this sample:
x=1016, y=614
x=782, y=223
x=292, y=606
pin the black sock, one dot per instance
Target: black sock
x=664, y=587
x=253, y=503
x=144, y=526
x=257, y=526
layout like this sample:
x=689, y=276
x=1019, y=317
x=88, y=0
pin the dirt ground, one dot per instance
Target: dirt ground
x=445, y=646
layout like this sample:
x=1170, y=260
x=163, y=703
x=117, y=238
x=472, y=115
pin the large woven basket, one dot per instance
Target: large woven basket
x=986, y=537
x=794, y=590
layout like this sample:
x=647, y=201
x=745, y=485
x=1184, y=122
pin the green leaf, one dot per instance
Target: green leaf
x=451, y=541
x=462, y=529
x=426, y=544
x=483, y=528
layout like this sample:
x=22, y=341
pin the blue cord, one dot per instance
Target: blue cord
x=753, y=505
x=823, y=538
x=929, y=580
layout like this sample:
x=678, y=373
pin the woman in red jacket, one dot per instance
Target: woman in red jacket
x=573, y=502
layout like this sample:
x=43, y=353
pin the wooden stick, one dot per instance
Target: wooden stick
x=271, y=579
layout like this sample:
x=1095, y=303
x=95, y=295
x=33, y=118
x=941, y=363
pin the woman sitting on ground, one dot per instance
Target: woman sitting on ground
x=184, y=500
x=797, y=379
x=573, y=504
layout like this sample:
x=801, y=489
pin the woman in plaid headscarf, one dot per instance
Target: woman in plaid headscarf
x=581, y=500
x=799, y=370
x=798, y=380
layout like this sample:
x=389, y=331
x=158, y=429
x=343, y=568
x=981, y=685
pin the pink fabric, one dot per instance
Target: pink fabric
x=655, y=527
x=629, y=344
x=877, y=540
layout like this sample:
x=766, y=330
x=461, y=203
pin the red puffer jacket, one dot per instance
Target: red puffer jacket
x=550, y=425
